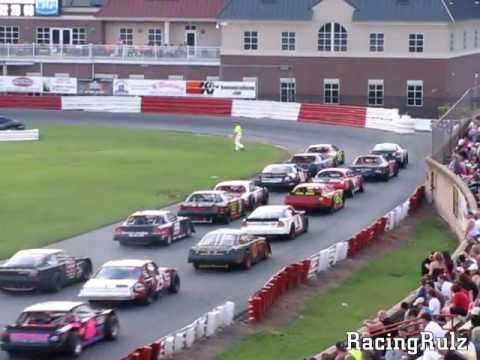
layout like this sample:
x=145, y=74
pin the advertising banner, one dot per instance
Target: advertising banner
x=21, y=84
x=95, y=87
x=47, y=7
x=223, y=89
x=60, y=85
x=140, y=87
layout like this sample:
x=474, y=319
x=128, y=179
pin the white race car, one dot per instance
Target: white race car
x=130, y=280
x=251, y=194
x=276, y=221
x=329, y=151
x=392, y=152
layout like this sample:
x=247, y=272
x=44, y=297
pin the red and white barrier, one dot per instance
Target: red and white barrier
x=20, y=135
x=118, y=104
x=265, y=110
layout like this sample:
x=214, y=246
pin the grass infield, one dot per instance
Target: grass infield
x=326, y=318
x=76, y=178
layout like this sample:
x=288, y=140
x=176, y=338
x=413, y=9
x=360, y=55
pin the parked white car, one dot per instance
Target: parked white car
x=276, y=221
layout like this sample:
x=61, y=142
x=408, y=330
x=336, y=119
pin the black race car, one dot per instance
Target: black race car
x=59, y=326
x=153, y=227
x=43, y=269
x=10, y=124
x=375, y=167
x=281, y=176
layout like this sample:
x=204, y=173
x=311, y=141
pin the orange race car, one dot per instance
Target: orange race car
x=316, y=196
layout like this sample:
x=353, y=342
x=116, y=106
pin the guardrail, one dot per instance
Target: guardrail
x=20, y=135
x=110, y=53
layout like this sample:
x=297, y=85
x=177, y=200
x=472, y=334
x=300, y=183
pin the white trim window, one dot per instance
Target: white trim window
x=287, y=89
x=126, y=36
x=415, y=93
x=79, y=36
x=332, y=37
x=9, y=35
x=288, y=41
x=331, y=91
x=377, y=42
x=415, y=43
x=155, y=37
x=43, y=35
x=250, y=40
x=375, y=92
x=452, y=41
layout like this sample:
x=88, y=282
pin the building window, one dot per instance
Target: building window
x=331, y=91
x=287, y=90
x=465, y=40
x=375, y=92
x=415, y=43
x=8, y=35
x=332, y=37
x=475, y=39
x=126, y=36
x=414, y=93
x=154, y=37
x=190, y=27
x=79, y=36
x=452, y=41
x=288, y=41
x=43, y=35
x=376, y=42
x=250, y=40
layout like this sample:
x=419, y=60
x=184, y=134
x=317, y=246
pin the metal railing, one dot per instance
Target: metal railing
x=109, y=53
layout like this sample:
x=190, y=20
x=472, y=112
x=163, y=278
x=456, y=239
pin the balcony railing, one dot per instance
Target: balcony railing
x=110, y=54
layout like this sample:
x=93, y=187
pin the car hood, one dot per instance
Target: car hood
x=109, y=284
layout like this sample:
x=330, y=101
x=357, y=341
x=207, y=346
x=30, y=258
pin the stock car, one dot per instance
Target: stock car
x=311, y=163
x=43, y=269
x=10, y=124
x=392, y=151
x=315, y=196
x=281, y=176
x=342, y=179
x=153, y=227
x=273, y=221
x=330, y=151
x=229, y=247
x=59, y=326
x=251, y=194
x=139, y=281
x=375, y=167
x=211, y=206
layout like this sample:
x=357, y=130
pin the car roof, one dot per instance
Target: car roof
x=370, y=156
x=311, y=185
x=385, y=146
x=127, y=263
x=150, y=213
x=267, y=208
x=320, y=145
x=342, y=170
x=213, y=192
x=39, y=251
x=54, y=306
x=227, y=231
x=305, y=154
x=234, y=183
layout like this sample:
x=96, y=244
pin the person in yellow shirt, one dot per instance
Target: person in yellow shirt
x=237, y=135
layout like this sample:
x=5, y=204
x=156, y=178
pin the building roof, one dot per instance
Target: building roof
x=464, y=9
x=267, y=10
x=197, y=9
x=82, y=3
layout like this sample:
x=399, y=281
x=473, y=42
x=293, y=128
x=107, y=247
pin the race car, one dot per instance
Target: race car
x=311, y=163
x=228, y=247
x=315, y=196
x=330, y=151
x=59, y=326
x=281, y=176
x=340, y=179
x=11, y=124
x=273, y=221
x=153, y=227
x=251, y=194
x=392, y=151
x=375, y=167
x=211, y=206
x=43, y=269
x=140, y=281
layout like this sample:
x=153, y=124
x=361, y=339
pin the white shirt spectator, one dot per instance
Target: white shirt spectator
x=471, y=353
x=446, y=289
x=436, y=330
x=434, y=306
x=430, y=355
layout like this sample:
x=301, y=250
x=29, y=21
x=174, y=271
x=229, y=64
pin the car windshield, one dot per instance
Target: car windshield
x=42, y=318
x=368, y=160
x=145, y=220
x=27, y=260
x=205, y=198
x=118, y=273
x=330, y=174
x=260, y=213
x=219, y=239
x=302, y=159
x=277, y=169
x=319, y=149
x=237, y=189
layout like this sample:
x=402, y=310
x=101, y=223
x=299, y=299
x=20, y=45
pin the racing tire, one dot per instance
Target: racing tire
x=111, y=327
x=174, y=283
x=196, y=266
x=149, y=299
x=226, y=219
x=74, y=345
x=169, y=240
x=265, y=198
x=349, y=193
x=361, y=189
x=251, y=204
x=266, y=252
x=395, y=173
x=292, y=235
x=55, y=284
x=386, y=177
x=86, y=272
x=188, y=230
x=306, y=225
x=247, y=263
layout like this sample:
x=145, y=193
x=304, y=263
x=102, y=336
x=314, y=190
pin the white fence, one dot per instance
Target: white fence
x=391, y=120
x=327, y=258
x=123, y=104
x=266, y=109
x=20, y=135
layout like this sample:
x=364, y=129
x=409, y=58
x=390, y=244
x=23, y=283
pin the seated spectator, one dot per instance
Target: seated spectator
x=449, y=265
x=466, y=283
x=401, y=313
x=471, y=352
x=425, y=264
x=434, y=305
x=432, y=326
x=378, y=323
x=340, y=351
x=437, y=264
x=460, y=301
x=444, y=286
x=420, y=305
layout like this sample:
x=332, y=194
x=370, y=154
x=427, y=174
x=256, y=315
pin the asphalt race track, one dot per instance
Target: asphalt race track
x=203, y=290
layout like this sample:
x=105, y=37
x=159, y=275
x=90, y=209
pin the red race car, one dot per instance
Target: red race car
x=316, y=196
x=340, y=179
